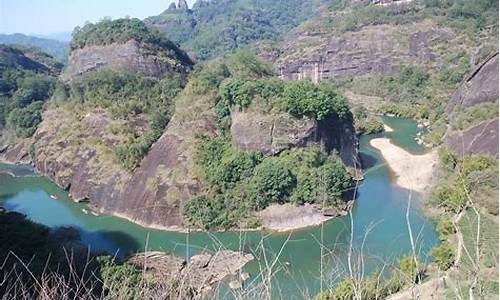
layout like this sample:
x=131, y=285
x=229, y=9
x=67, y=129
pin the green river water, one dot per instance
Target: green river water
x=379, y=208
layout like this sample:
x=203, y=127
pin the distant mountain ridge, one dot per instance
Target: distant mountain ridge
x=55, y=48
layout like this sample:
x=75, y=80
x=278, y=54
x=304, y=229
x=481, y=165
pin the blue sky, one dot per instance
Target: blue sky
x=51, y=16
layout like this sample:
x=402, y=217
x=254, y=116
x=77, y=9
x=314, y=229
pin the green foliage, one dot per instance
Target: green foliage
x=299, y=98
x=445, y=228
x=474, y=176
x=126, y=95
x=32, y=89
x=222, y=27
x=318, y=102
x=22, y=92
x=447, y=158
x=245, y=64
x=273, y=181
x=320, y=178
x=444, y=256
x=468, y=117
x=367, y=124
x=26, y=119
x=410, y=268
x=372, y=287
x=121, y=31
x=119, y=279
x=238, y=183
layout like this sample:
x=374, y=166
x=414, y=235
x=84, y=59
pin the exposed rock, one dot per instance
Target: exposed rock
x=17, y=153
x=200, y=272
x=172, y=7
x=287, y=217
x=273, y=133
x=371, y=50
x=129, y=56
x=481, y=139
x=72, y=151
x=270, y=134
x=182, y=5
x=481, y=86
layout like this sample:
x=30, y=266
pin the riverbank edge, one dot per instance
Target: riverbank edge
x=297, y=224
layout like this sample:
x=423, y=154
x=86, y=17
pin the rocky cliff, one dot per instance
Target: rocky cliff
x=130, y=56
x=380, y=50
x=76, y=150
x=273, y=133
x=480, y=87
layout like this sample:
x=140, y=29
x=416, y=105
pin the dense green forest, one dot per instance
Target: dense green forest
x=25, y=84
x=217, y=27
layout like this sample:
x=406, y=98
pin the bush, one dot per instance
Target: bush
x=410, y=268
x=444, y=256
x=445, y=228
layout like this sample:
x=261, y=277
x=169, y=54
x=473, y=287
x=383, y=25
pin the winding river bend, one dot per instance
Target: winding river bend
x=379, y=225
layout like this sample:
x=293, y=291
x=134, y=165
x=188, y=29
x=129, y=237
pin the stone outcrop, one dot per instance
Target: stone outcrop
x=273, y=133
x=479, y=87
x=17, y=153
x=130, y=56
x=200, y=272
x=481, y=139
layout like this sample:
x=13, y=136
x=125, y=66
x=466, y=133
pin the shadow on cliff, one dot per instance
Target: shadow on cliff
x=367, y=160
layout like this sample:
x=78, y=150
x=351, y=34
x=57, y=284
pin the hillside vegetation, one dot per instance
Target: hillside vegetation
x=26, y=82
x=212, y=28
x=57, y=49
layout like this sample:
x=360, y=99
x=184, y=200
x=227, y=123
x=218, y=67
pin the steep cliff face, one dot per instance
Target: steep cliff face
x=272, y=133
x=76, y=151
x=129, y=56
x=479, y=88
x=166, y=177
x=380, y=49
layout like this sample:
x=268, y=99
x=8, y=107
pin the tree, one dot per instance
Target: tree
x=273, y=181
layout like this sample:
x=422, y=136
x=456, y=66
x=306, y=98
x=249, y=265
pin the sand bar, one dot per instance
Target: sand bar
x=413, y=172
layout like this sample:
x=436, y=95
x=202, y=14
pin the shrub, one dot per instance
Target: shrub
x=444, y=256
x=410, y=268
x=445, y=228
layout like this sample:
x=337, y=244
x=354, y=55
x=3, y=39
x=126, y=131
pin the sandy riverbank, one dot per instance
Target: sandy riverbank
x=413, y=172
x=288, y=217
x=387, y=128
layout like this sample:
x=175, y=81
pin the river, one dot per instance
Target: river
x=380, y=232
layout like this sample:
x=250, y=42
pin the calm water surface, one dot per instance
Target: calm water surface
x=379, y=211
